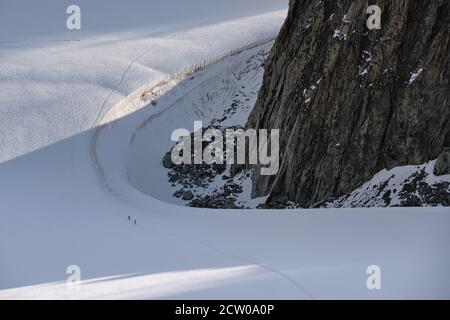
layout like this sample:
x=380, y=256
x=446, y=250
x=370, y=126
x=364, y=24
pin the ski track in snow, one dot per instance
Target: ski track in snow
x=119, y=83
x=104, y=181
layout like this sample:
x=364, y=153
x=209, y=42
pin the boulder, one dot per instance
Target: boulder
x=442, y=165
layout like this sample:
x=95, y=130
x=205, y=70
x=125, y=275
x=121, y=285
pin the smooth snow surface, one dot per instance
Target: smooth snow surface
x=51, y=89
x=81, y=107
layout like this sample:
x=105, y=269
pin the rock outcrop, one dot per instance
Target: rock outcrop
x=442, y=166
x=350, y=101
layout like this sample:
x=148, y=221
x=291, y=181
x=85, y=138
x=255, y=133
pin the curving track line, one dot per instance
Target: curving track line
x=98, y=127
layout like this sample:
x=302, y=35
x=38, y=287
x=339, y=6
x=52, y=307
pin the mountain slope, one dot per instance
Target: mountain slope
x=56, y=212
x=350, y=101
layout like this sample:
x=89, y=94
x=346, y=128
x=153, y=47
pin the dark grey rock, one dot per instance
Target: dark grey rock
x=167, y=161
x=178, y=194
x=187, y=195
x=336, y=133
x=417, y=192
x=442, y=165
x=185, y=169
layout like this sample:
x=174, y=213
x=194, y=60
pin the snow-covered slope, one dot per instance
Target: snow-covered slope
x=205, y=97
x=70, y=202
x=53, y=89
x=407, y=186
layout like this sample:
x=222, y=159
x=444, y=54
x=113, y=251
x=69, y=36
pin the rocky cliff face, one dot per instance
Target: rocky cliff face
x=350, y=101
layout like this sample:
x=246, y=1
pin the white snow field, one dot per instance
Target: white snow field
x=55, y=86
x=84, y=126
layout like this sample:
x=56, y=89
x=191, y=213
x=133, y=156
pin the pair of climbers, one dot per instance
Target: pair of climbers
x=129, y=219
